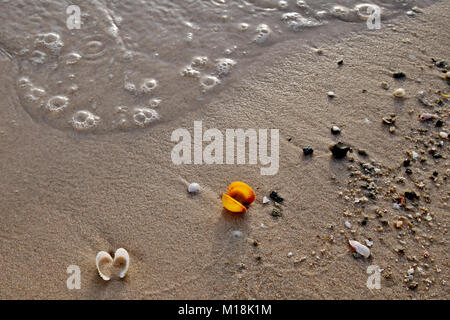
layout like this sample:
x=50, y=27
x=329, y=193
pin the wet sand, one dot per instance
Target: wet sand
x=65, y=195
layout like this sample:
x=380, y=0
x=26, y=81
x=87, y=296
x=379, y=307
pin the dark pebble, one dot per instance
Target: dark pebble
x=276, y=213
x=442, y=64
x=407, y=163
x=275, y=197
x=308, y=151
x=408, y=171
x=362, y=152
x=340, y=62
x=356, y=255
x=399, y=75
x=413, y=285
x=439, y=123
x=335, y=130
x=411, y=195
x=364, y=221
x=339, y=150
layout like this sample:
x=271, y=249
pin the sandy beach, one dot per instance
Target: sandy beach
x=65, y=195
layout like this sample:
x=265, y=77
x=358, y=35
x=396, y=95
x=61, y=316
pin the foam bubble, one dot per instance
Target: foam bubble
x=283, y=4
x=38, y=57
x=224, y=66
x=199, y=62
x=155, y=102
x=57, y=103
x=84, y=120
x=52, y=41
x=121, y=109
x=304, y=7
x=209, y=82
x=364, y=10
x=144, y=116
x=72, y=58
x=33, y=93
x=263, y=33
x=295, y=21
x=24, y=82
x=243, y=26
x=188, y=71
x=148, y=85
x=94, y=48
x=129, y=86
x=342, y=13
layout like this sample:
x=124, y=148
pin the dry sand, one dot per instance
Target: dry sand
x=66, y=196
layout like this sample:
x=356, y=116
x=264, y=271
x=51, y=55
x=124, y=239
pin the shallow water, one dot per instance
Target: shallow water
x=134, y=63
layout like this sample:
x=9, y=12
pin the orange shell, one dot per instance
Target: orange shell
x=232, y=205
x=241, y=192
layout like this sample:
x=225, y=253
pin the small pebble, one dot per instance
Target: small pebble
x=275, y=197
x=331, y=94
x=276, y=213
x=237, y=234
x=339, y=150
x=399, y=75
x=335, y=130
x=439, y=123
x=385, y=85
x=194, y=188
x=266, y=200
x=398, y=224
x=308, y=151
x=399, y=93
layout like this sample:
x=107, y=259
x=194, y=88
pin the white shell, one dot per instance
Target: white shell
x=360, y=248
x=102, y=255
x=331, y=94
x=368, y=243
x=443, y=135
x=266, y=200
x=427, y=116
x=120, y=256
x=237, y=234
x=399, y=93
x=194, y=187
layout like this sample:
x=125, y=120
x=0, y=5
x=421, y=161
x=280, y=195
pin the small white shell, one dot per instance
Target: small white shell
x=266, y=200
x=427, y=116
x=331, y=94
x=399, y=93
x=120, y=256
x=443, y=135
x=360, y=248
x=103, y=255
x=237, y=234
x=194, y=187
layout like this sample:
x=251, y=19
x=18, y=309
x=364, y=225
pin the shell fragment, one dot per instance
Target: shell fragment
x=360, y=248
